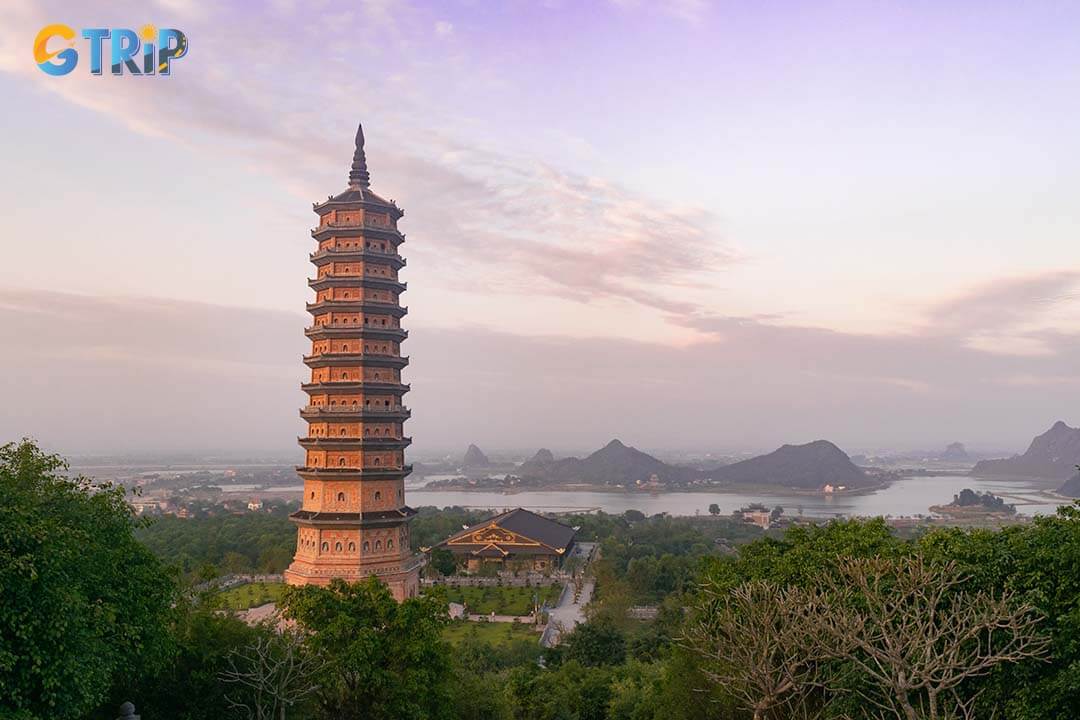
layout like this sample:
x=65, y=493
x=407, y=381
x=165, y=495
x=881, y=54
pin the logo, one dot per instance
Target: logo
x=150, y=51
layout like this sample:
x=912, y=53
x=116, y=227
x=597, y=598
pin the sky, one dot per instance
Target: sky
x=689, y=225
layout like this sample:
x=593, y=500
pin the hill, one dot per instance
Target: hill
x=969, y=503
x=955, y=452
x=809, y=466
x=1054, y=454
x=542, y=456
x=1071, y=488
x=613, y=464
x=474, y=457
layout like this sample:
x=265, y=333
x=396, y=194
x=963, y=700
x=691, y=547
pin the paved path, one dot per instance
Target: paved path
x=570, y=610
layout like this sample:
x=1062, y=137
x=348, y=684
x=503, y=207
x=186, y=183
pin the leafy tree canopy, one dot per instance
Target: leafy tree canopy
x=383, y=659
x=82, y=602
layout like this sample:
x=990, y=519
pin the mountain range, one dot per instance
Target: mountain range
x=1054, y=454
x=613, y=464
x=809, y=466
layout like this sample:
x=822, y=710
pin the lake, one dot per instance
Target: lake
x=906, y=497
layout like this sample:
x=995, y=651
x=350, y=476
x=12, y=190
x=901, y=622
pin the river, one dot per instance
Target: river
x=906, y=497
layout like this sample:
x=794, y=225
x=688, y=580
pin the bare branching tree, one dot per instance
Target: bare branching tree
x=757, y=643
x=272, y=675
x=917, y=636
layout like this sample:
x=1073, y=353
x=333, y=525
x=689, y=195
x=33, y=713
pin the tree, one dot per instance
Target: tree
x=758, y=642
x=383, y=659
x=596, y=643
x=443, y=561
x=1040, y=562
x=82, y=602
x=915, y=634
x=273, y=675
x=714, y=509
x=190, y=685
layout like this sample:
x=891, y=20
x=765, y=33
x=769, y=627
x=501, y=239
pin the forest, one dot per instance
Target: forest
x=841, y=620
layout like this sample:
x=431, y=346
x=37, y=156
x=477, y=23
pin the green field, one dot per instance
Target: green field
x=488, y=632
x=251, y=595
x=503, y=600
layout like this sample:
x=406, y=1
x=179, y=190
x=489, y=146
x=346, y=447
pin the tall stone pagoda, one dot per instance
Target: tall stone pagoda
x=354, y=522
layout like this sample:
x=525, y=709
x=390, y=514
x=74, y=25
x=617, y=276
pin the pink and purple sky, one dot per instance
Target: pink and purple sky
x=682, y=223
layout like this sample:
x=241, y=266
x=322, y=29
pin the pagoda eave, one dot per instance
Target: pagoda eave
x=329, y=255
x=336, y=359
x=353, y=412
x=354, y=443
x=357, y=281
x=358, y=199
x=367, y=473
x=325, y=306
x=351, y=386
x=370, y=518
x=318, y=332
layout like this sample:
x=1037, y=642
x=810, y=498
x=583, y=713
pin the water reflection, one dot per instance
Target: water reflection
x=907, y=497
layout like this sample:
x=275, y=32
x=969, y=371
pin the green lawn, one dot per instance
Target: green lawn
x=503, y=600
x=488, y=632
x=251, y=595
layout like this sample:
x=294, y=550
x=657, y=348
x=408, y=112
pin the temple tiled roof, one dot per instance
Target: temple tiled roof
x=528, y=524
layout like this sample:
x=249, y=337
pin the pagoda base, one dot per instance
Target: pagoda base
x=402, y=578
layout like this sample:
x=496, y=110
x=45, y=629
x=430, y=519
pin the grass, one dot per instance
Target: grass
x=488, y=632
x=251, y=595
x=503, y=600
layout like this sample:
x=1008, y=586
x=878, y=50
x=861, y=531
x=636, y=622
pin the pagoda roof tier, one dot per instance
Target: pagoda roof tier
x=376, y=517
x=353, y=412
x=358, y=230
x=358, y=197
x=355, y=330
x=369, y=306
x=357, y=474
x=347, y=387
x=358, y=443
x=364, y=360
x=322, y=257
x=357, y=281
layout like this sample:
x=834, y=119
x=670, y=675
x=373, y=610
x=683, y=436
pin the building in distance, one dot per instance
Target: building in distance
x=515, y=540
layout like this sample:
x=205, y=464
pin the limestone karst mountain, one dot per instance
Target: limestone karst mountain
x=810, y=466
x=613, y=464
x=542, y=456
x=1071, y=488
x=475, y=457
x=1054, y=454
x=954, y=452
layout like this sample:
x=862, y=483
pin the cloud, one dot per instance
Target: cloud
x=497, y=223
x=1015, y=302
x=131, y=374
x=444, y=28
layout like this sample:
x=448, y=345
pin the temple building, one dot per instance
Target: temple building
x=354, y=522
x=514, y=540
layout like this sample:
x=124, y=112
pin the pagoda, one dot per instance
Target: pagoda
x=354, y=522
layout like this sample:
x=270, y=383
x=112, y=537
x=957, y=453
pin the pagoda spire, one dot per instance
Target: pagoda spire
x=359, y=175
